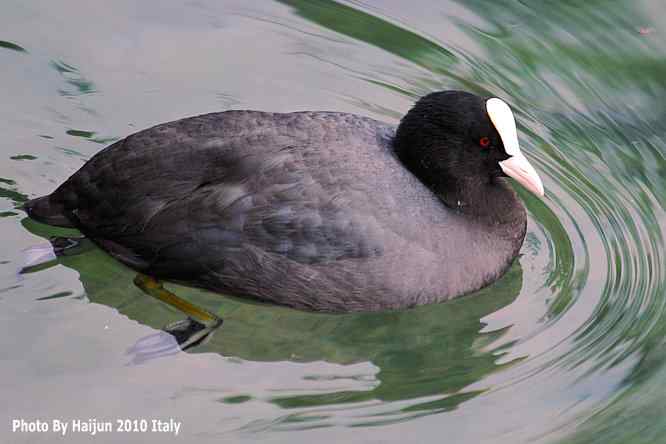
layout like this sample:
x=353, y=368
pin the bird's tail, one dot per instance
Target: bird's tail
x=48, y=210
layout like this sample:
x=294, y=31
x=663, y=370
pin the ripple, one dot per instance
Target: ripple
x=568, y=341
x=13, y=46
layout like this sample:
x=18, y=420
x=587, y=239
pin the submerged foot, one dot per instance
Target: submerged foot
x=69, y=246
x=38, y=256
x=191, y=333
x=180, y=335
x=175, y=337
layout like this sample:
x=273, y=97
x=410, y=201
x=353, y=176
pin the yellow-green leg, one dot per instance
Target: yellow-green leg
x=200, y=323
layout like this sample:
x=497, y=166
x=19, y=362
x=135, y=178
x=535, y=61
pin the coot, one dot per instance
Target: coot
x=321, y=211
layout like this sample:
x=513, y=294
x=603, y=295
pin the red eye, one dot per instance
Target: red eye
x=484, y=142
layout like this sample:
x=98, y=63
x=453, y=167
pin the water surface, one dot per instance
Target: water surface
x=567, y=347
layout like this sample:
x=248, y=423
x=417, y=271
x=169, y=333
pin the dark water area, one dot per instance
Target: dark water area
x=567, y=347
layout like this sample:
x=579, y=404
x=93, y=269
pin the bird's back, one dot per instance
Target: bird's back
x=310, y=210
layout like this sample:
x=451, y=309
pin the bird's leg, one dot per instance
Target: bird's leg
x=200, y=323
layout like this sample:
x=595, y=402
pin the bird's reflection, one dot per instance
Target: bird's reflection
x=433, y=350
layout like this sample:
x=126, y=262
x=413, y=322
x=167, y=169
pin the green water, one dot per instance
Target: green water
x=568, y=347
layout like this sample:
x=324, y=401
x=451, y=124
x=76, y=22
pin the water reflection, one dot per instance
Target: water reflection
x=584, y=350
x=592, y=116
x=77, y=84
x=364, y=27
x=431, y=351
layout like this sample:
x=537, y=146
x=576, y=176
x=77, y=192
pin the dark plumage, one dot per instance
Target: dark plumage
x=314, y=210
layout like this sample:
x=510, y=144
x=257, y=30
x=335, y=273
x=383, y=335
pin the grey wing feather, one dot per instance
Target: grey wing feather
x=189, y=206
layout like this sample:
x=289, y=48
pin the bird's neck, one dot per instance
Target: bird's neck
x=492, y=202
